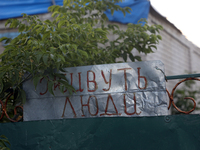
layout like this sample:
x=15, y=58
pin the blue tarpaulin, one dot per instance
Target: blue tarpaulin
x=14, y=8
x=140, y=9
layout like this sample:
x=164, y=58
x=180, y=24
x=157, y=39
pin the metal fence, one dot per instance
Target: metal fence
x=171, y=95
x=187, y=77
x=163, y=132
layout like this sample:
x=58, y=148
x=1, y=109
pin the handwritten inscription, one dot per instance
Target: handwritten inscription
x=108, y=102
x=91, y=79
x=127, y=89
x=91, y=74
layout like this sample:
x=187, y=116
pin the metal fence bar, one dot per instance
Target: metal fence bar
x=185, y=77
x=182, y=76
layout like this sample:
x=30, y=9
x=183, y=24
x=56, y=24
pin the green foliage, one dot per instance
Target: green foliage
x=4, y=143
x=76, y=36
x=186, y=91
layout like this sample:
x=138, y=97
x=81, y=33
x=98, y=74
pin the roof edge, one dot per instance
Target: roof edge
x=154, y=12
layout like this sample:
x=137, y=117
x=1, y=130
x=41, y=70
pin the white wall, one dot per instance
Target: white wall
x=177, y=53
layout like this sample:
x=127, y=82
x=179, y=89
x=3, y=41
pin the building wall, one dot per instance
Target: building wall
x=179, y=55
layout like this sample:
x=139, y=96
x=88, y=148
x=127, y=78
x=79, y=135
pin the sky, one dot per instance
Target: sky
x=184, y=14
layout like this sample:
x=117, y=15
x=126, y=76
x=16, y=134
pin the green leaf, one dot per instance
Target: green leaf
x=53, y=57
x=2, y=144
x=1, y=86
x=83, y=10
x=61, y=57
x=67, y=85
x=52, y=49
x=132, y=58
x=38, y=56
x=21, y=27
x=112, y=11
x=64, y=36
x=124, y=55
x=50, y=87
x=62, y=88
x=3, y=136
x=60, y=75
x=138, y=58
x=63, y=82
x=123, y=11
x=6, y=141
x=63, y=49
x=45, y=59
x=61, y=23
x=36, y=79
x=14, y=23
x=83, y=53
x=8, y=40
x=159, y=37
x=70, y=89
x=104, y=17
x=46, y=35
x=3, y=38
x=47, y=21
x=62, y=70
x=75, y=47
x=23, y=96
x=66, y=2
x=7, y=22
x=153, y=46
x=37, y=26
x=55, y=13
x=128, y=9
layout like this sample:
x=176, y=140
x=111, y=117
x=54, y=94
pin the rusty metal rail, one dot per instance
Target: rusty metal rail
x=16, y=118
x=182, y=76
x=171, y=96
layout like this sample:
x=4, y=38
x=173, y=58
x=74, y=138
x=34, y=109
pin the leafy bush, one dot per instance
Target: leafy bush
x=76, y=36
x=4, y=143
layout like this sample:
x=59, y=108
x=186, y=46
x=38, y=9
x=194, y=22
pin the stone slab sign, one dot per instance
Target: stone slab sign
x=109, y=90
